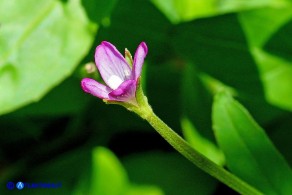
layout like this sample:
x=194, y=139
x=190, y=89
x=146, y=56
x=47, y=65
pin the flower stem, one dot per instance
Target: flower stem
x=144, y=110
x=193, y=155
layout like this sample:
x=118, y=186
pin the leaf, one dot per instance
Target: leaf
x=108, y=175
x=185, y=10
x=218, y=52
x=276, y=76
x=57, y=103
x=41, y=44
x=282, y=36
x=260, y=24
x=225, y=55
x=268, y=30
x=200, y=143
x=144, y=190
x=249, y=152
x=137, y=25
x=196, y=101
x=99, y=11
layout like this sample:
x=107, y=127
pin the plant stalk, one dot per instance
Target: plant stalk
x=198, y=159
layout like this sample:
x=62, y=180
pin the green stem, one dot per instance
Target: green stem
x=143, y=109
x=198, y=159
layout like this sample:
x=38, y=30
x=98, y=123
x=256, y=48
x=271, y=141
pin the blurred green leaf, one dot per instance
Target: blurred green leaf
x=200, y=143
x=249, y=152
x=186, y=10
x=196, y=101
x=41, y=44
x=144, y=190
x=170, y=171
x=137, y=25
x=276, y=76
x=269, y=29
x=275, y=44
x=108, y=175
x=57, y=102
x=223, y=54
x=260, y=24
x=99, y=11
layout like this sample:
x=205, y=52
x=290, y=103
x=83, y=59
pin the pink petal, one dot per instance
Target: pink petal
x=93, y=87
x=140, y=54
x=125, y=91
x=110, y=62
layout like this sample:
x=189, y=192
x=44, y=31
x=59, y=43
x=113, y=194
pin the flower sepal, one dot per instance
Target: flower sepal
x=128, y=57
x=139, y=104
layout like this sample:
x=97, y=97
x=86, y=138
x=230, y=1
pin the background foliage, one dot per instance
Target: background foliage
x=51, y=131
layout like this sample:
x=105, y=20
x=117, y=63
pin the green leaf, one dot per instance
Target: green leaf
x=249, y=152
x=138, y=25
x=276, y=76
x=225, y=55
x=108, y=175
x=196, y=101
x=144, y=190
x=200, y=143
x=56, y=102
x=260, y=24
x=41, y=44
x=186, y=10
x=268, y=29
x=99, y=11
x=170, y=171
x=282, y=36
x=221, y=53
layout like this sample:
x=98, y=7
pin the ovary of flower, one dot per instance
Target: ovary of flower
x=114, y=82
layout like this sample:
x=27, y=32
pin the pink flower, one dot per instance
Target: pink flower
x=121, y=80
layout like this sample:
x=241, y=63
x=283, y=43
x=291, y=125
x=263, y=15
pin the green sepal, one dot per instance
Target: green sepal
x=128, y=57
